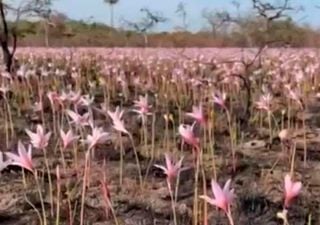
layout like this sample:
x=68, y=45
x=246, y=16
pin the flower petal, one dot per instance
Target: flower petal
x=296, y=188
x=211, y=201
x=217, y=191
x=30, y=152
x=168, y=162
x=22, y=150
x=162, y=168
x=13, y=157
x=179, y=164
x=31, y=134
x=226, y=187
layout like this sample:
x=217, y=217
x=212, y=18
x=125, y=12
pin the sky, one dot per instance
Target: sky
x=98, y=11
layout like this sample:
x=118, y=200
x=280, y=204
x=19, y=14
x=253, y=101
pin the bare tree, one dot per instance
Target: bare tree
x=266, y=12
x=45, y=17
x=111, y=3
x=217, y=19
x=270, y=12
x=143, y=26
x=8, y=34
x=182, y=12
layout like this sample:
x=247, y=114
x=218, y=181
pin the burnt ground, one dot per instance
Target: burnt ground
x=257, y=180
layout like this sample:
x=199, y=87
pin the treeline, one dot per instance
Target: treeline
x=249, y=33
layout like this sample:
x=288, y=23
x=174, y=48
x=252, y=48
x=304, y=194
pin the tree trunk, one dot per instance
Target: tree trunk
x=111, y=16
x=146, y=41
x=7, y=58
x=46, y=33
x=184, y=22
x=4, y=39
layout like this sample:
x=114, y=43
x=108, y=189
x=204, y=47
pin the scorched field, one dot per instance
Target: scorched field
x=160, y=136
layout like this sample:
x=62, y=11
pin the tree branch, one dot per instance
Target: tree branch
x=4, y=23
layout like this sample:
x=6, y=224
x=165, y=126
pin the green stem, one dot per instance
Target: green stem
x=231, y=140
x=49, y=178
x=41, y=198
x=304, y=141
x=195, y=201
x=84, y=184
x=121, y=159
x=270, y=127
x=172, y=203
x=230, y=218
x=137, y=160
x=58, y=203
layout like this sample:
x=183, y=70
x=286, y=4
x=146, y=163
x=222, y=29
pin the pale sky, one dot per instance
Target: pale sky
x=98, y=11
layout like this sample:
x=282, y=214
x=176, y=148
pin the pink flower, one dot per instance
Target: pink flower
x=197, y=114
x=23, y=159
x=291, y=189
x=67, y=138
x=171, y=169
x=264, y=102
x=219, y=98
x=79, y=120
x=116, y=117
x=74, y=97
x=97, y=137
x=142, y=105
x=64, y=97
x=295, y=95
x=284, y=135
x=222, y=197
x=40, y=139
x=86, y=100
x=186, y=132
x=54, y=99
x=117, y=114
x=70, y=97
